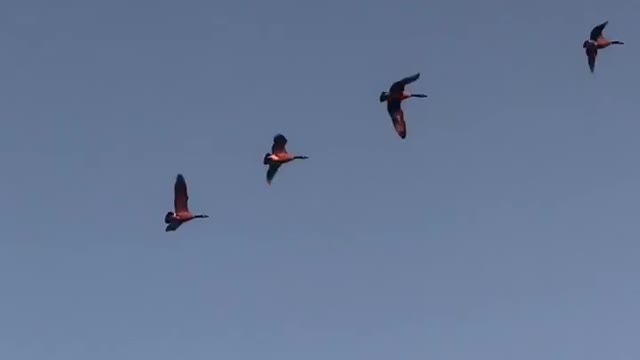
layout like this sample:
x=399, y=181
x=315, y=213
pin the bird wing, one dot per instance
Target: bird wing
x=173, y=226
x=596, y=32
x=398, y=86
x=279, y=144
x=393, y=106
x=399, y=124
x=181, y=198
x=591, y=56
x=271, y=172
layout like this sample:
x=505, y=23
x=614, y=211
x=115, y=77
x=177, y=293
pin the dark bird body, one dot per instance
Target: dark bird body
x=596, y=42
x=278, y=156
x=394, y=99
x=181, y=213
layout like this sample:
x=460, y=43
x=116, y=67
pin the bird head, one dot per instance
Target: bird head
x=586, y=44
x=383, y=96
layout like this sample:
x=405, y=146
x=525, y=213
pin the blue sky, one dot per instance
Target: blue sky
x=504, y=227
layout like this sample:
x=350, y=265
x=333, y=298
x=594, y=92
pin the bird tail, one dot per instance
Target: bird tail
x=265, y=161
x=168, y=217
x=384, y=96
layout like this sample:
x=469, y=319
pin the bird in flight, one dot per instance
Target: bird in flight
x=278, y=156
x=596, y=42
x=394, y=99
x=181, y=213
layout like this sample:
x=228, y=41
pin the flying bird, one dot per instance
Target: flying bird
x=597, y=41
x=278, y=156
x=181, y=213
x=394, y=99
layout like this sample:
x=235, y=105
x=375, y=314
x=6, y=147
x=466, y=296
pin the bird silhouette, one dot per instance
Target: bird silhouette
x=394, y=99
x=596, y=42
x=181, y=213
x=278, y=157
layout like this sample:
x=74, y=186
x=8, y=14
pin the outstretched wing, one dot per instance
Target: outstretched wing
x=271, y=172
x=399, y=124
x=398, y=86
x=279, y=144
x=173, y=226
x=592, y=53
x=596, y=32
x=393, y=106
x=181, y=199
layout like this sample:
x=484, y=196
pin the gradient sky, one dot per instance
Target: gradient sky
x=504, y=227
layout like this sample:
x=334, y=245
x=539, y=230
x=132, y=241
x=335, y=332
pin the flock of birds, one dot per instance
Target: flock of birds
x=394, y=98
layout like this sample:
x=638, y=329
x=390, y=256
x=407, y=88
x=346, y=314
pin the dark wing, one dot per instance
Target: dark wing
x=393, y=106
x=596, y=32
x=181, y=199
x=398, y=86
x=399, y=124
x=591, y=56
x=271, y=172
x=279, y=143
x=173, y=226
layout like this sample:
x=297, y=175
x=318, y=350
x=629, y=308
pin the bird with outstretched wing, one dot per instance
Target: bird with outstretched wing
x=394, y=99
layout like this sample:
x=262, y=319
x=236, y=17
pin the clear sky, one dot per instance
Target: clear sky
x=504, y=227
